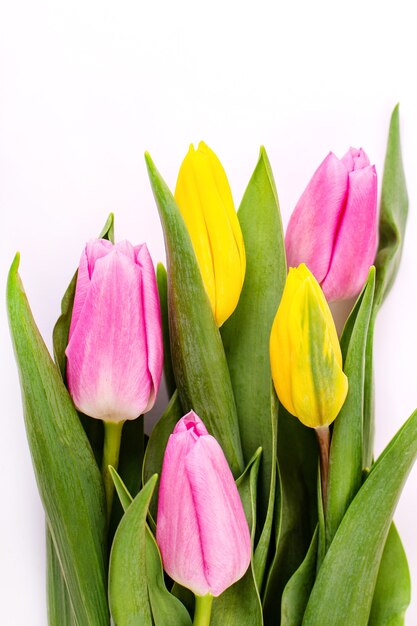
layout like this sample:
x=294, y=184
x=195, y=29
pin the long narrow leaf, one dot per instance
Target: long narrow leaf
x=67, y=475
x=199, y=362
x=298, y=588
x=344, y=588
x=246, y=334
x=392, y=224
x=60, y=611
x=138, y=595
x=345, y=468
x=393, y=586
x=296, y=508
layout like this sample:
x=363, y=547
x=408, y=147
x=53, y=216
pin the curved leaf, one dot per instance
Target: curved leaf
x=345, y=466
x=199, y=362
x=296, y=508
x=392, y=224
x=137, y=592
x=64, y=464
x=393, y=586
x=298, y=588
x=344, y=588
x=60, y=611
x=246, y=333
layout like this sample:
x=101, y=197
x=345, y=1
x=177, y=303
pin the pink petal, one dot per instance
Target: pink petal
x=94, y=249
x=316, y=218
x=356, y=243
x=177, y=531
x=222, y=525
x=355, y=159
x=107, y=368
x=152, y=320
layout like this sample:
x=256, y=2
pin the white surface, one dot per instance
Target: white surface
x=87, y=86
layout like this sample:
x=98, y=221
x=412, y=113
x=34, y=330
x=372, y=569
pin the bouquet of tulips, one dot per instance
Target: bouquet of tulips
x=256, y=498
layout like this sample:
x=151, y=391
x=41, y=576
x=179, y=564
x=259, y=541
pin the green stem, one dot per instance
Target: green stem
x=202, y=611
x=112, y=439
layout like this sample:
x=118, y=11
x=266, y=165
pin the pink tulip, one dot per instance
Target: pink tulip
x=333, y=229
x=115, y=351
x=201, y=527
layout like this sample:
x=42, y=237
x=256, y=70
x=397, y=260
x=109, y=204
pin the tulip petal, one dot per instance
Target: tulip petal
x=177, y=530
x=189, y=202
x=95, y=249
x=355, y=159
x=314, y=220
x=206, y=204
x=107, y=373
x=152, y=320
x=356, y=242
x=223, y=529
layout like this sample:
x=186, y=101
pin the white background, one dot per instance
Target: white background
x=87, y=86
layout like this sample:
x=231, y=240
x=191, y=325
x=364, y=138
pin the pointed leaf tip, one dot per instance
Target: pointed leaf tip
x=15, y=263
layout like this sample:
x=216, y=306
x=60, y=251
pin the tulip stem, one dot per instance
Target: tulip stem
x=112, y=439
x=202, y=613
x=323, y=438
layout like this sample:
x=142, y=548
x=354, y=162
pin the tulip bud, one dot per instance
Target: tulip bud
x=114, y=352
x=204, y=198
x=333, y=228
x=306, y=359
x=201, y=527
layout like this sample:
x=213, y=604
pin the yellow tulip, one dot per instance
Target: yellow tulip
x=204, y=198
x=306, y=360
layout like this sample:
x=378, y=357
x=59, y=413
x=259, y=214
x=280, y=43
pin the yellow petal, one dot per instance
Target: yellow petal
x=205, y=201
x=306, y=360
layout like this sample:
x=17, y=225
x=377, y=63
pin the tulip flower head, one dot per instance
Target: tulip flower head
x=114, y=352
x=333, y=228
x=306, y=360
x=201, y=527
x=204, y=198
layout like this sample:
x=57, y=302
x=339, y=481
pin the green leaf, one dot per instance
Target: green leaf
x=262, y=549
x=60, y=611
x=122, y=491
x=200, y=365
x=155, y=450
x=344, y=588
x=240, y=603
x=296, y=508
x=137, y=592
x=393, y=586
x=392, y=224
x=393, y=213
x=246, y=333
x=298, y=588
x=345, y=466
x=162, y=279
x=64, y=464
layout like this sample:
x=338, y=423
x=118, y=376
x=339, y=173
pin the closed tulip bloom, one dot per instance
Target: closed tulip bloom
x=333, y=228
x=114, y=352
x=201, y=527
x=204, y=198
x=306, y=360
